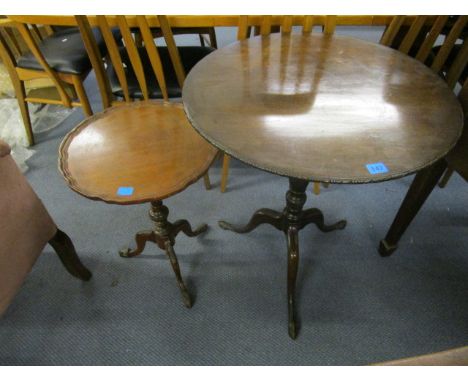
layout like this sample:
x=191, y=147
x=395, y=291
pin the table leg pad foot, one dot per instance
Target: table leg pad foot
x=386, y=249
x=124, y=252
x=186, y=299
x=292, y=330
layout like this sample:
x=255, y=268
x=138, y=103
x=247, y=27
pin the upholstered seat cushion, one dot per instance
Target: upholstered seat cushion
x=64, y=52
x=189, y=56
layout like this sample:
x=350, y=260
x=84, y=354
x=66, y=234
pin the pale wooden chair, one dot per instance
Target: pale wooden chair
x=419, y=40
x=264, y=25
x=58, y=59
x=136, y=72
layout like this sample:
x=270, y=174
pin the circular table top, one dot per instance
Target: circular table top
x=323, y=108
x=134, y=153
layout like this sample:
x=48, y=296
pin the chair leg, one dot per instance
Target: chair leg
x=420, y=189
x=224, y=176
x=24, y=109
x=82, y=96
x=213, y=41
x=202, y=40
x=448, y=173
x=65, y=250
x=317, y=188
x=206, y=180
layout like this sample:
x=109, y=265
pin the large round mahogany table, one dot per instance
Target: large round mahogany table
x=319, y=108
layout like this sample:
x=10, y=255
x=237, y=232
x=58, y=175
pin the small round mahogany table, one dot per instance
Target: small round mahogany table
x=319, y=108
x=136, y=153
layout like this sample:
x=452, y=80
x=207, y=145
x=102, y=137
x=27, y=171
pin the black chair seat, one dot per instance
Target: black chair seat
x=64, y=52
x=189, y=56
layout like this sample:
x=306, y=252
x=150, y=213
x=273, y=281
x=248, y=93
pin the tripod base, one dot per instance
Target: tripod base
x=163, y=235
x=290, y=221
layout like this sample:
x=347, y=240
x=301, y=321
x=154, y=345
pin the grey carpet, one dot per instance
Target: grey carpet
x=354, y=306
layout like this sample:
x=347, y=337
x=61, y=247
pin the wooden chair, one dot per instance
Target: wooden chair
x=425, y=181
x=265, y=25
x=139, y=71
x=58, y=57
x=419, y=40
x=452, y=56
x=450, y=61
x=132, y=70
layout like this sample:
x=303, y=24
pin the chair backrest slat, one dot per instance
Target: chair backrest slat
x=265, y=27
x=95, y=58
x=431, y=38
x=287, y=24
x=130, y=57
x=11, y=41
x=6, y=55
x=133, y=55
x=36, y=33
x=114, y=55
x=308, y=24
x=420, y=40
x=392, y=30
x=268, y=24
x=33, y=47
x=172, y=48
x=448, y=44
x=330, y=25
x=48, y=30
x=458, y=65
x=413, y=32
x=243, y=27
x=153, y=54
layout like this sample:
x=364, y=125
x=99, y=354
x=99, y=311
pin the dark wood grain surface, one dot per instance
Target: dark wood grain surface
x=321, y=107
